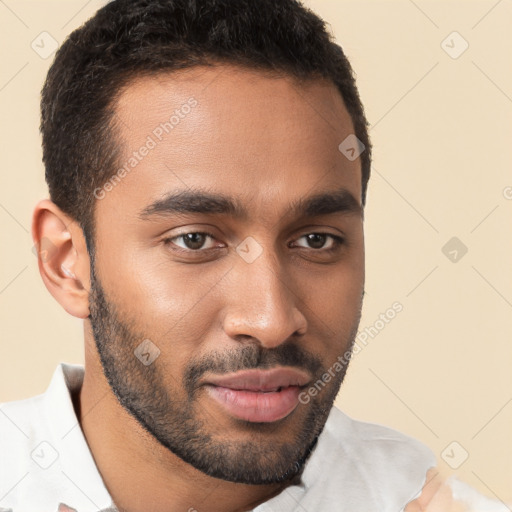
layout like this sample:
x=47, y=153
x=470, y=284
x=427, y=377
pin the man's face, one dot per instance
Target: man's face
x=234, y=243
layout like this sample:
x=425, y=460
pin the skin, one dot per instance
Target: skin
x=266, y=142
x=436, y=496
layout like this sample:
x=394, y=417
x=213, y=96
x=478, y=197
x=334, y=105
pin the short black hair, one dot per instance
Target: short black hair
x=127, y=39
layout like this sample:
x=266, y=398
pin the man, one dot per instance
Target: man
x=207, y=163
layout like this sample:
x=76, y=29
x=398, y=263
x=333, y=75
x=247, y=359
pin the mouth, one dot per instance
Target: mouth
x=259, y=396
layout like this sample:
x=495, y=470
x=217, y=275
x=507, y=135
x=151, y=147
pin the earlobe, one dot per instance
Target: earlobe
x=62, y=257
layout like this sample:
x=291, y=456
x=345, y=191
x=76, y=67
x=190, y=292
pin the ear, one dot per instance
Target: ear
x=63, y=260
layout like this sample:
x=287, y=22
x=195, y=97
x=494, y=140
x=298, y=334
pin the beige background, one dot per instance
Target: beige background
x=442, y=132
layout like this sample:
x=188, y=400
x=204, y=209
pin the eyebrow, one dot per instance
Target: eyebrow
x=198, y=201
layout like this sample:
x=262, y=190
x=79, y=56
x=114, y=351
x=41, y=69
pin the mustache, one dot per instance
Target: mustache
x=250, y=357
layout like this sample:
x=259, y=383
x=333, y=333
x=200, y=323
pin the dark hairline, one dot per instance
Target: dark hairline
x=129, y=39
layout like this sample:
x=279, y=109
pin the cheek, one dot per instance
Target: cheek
x=146, y=281
x=332, y=303
x=336, y=303
x=173, y=306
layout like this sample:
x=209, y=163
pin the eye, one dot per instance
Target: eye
x=193, y=241
x=318, y=241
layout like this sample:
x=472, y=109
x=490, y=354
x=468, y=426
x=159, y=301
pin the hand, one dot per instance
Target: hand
x=436, y=496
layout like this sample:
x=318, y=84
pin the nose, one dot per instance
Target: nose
x=262, y=304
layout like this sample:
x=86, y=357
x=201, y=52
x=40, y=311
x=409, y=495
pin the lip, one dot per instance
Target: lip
x=259, y=396
x=261, y=380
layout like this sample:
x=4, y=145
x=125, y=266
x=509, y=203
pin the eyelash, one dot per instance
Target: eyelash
x=338, y=241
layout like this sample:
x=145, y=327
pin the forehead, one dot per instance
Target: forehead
x=262, y=138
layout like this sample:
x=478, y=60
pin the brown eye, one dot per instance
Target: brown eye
x=318, y=241
x=193, y=241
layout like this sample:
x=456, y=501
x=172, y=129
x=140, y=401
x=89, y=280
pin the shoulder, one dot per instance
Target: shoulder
x=376, y=439
x=24, y=448
x=24, y=421
x=370, y=466
x=43, y=451
x=376, y=448
x=30, y=427
x=20, y=422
